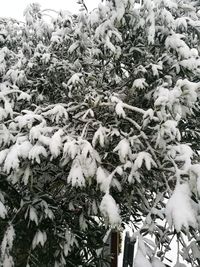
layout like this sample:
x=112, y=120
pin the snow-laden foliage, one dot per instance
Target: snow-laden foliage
x=99, y=126
x=179, y=210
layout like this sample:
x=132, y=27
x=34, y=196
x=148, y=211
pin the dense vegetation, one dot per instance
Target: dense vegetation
x=99, y=126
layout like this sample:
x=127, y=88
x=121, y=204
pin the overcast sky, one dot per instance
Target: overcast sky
x=15, y=8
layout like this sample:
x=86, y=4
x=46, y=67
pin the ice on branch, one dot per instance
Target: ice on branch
x=179, y=210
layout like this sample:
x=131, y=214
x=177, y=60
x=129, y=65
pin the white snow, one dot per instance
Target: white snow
x=36, y=152
x=194, y=172
x=3, y=211
x=70, y=242
x=88, y=165
x=175, y=42
x=26, y=175
x=76, y=78
x=103, y=179
x=75, y=176
x=8, y=239
x=12, y=160
x=157, y=263
x=24, y=96
x=39, y=238
x=140, y=84
x=110, y=210
x=55, y=144
x=27, y=119
x=119, y=110
x=33, y=215
x=181, y=153
x=100, y=136
x=71, y=148
x=181, y=23
x=56, y=113
x=5, y=136
x=140, y=260
x=3, y=154
x=169, y=128
x=146, y=158
x=24, y=149
x=124, y=150
x=179, y=211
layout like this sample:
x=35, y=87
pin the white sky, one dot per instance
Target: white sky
x=15, y=8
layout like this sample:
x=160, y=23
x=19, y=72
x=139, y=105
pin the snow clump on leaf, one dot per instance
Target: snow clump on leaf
x=110, y=210
x=179, y=211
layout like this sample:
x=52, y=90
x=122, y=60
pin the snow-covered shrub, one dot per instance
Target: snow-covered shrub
x=99, y=127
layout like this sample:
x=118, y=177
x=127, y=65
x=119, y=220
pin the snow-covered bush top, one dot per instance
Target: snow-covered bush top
x=99, y=127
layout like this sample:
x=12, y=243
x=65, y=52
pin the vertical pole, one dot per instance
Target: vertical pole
x=126, y=248
x=114, y=248
x=131, y=251
x=129, y=244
